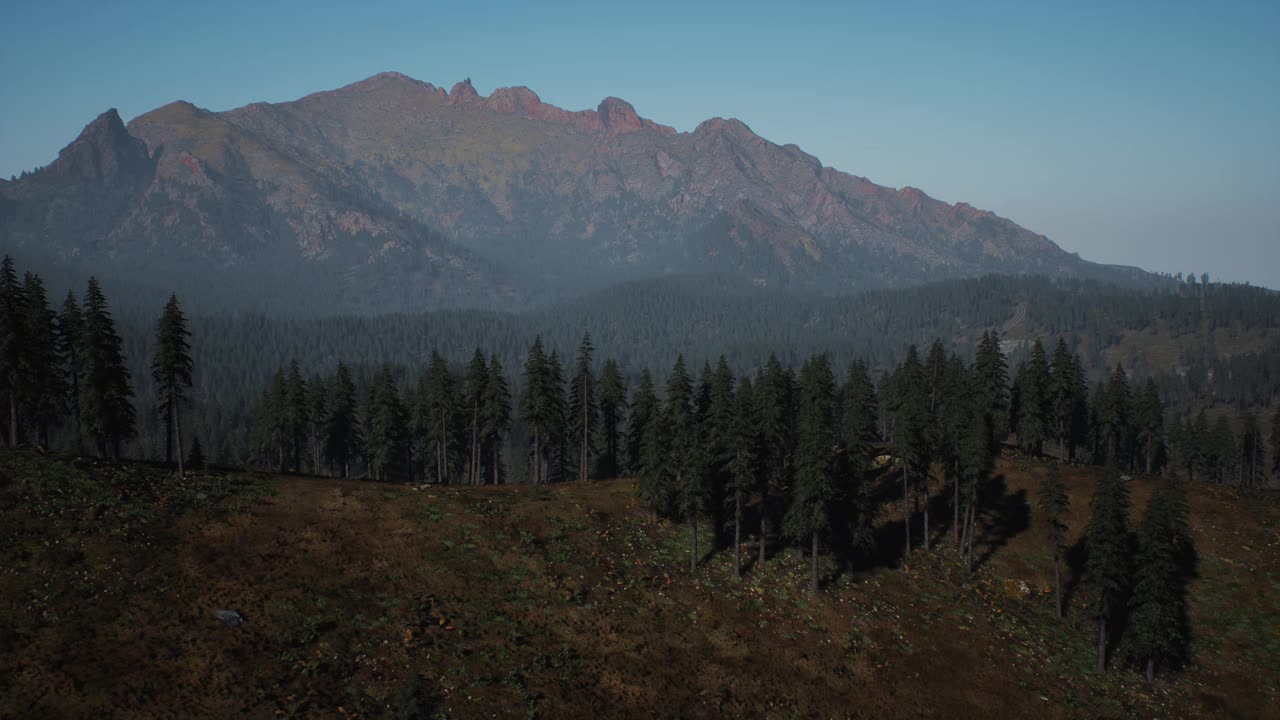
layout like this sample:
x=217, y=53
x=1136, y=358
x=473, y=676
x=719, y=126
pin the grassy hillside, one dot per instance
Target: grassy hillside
x=366, y=600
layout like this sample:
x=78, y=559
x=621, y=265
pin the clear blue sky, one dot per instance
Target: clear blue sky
x=1145, y=134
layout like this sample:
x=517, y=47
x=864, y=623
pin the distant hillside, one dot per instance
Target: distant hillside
x=392, y=194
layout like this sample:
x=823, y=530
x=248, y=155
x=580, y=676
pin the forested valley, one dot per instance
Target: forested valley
x=753, y=424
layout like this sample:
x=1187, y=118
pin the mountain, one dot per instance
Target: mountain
x=392, y=193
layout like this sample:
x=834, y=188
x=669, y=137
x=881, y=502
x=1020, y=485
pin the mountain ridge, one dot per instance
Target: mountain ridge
x=402, y=195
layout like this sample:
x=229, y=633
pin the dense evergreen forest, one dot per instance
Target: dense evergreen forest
x=1226, y=393
x=793, y=456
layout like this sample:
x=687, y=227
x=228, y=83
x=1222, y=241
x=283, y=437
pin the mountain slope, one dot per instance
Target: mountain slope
x=357, y=188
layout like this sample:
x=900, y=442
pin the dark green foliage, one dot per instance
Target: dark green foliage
x=11, y=346
x=106, y=407
x=858, y=425
x=341, y=430
x=683, y=463
x=172, y=370
x=42, y=392
x=613, y=407
x=196, y=460
x=991, y=382
x=433, y=421
x=584, y=411
x=1275, y=445
x=1054, y=505
x=297, y=410
x=1035, y=406
x=1157, y=632
x=773, y=395
x=71, y=359
x=473, y=392
x=496, y=416
x=1252, y=452
x=911, y=433
x=386, y=422
x=744, y=471
x=809, y=515
x=1110, y=550
x=644, y=409
x=1148, y=427
x=1115, y=419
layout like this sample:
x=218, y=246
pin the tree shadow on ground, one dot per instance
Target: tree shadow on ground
x=1004, y=516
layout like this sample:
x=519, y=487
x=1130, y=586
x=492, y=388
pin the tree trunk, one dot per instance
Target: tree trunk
x=582, y=451
x=813, y=575
x=495, y=461
x=955, y=506
x=906, y=507
x=537, y=456
x=1102, y=643
x=693, y=535
x=764, y=529
x=13, y=419
x=1151, y=669
x=737, y=535
x=475, y=445
x=177, y=436
x=925, y=487
x=1057, y=587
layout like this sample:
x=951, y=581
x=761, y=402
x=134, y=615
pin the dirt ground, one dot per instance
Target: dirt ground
x=364, y=600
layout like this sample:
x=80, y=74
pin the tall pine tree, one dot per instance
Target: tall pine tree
x=106, y=406
x=1158, y=630
x=815, y=488
x=1110, y=548
x=496, y=416
x=613, y=407
x=1055, y=506
x=583, y=409
x=172, y=370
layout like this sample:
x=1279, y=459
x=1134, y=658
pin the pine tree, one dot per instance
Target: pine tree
x=974, y=459
x=644, y=409
x=613, y=406
x=196, y=459
x=172, y=370
x=317, y=420
x=70, y=358
x=1157, y=629
x=859, y=422
x=583, y=409
x=744, y=467
x=680, y=423
x=386, y=441
x=106, y=408
x=815, y=490
x=773, y=403
x=656, y=491
x=1109, y=546
x=271, y=428
x=1062, y=396
x=910, y=435
x=991, y=382
x=1148, y=421
x=1275, y=445
x=433, y=417
x=42, y=400
x=1034, y=404
x=496, y=415
x=557, y=419
x=473, y=393
x=716, y=442
x=536, y=413
x=1115, y=413
x=1055, y=506
x=340, y=427
x=1252, y=455
x=11, y=344
x=296, y=413
x=957, y=417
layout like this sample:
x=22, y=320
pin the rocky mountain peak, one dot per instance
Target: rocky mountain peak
x=103, y=151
